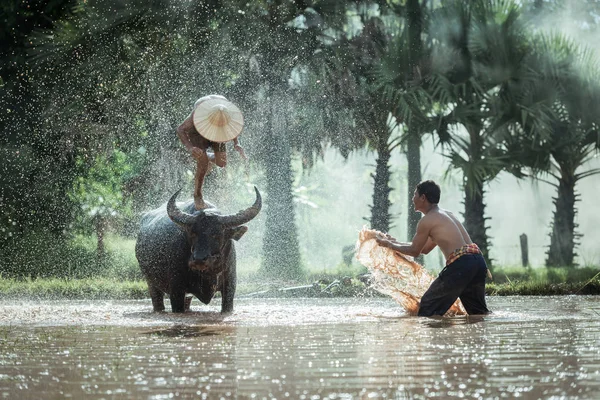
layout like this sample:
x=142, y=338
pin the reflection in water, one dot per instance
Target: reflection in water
x=304, y=348
x=440, y=322
x=185, y=331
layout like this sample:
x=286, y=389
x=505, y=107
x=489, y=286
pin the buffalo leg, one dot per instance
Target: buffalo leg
x=187, y=302
x=156, y=295
x=227, y=292
x=177, y=301
x=228, y=284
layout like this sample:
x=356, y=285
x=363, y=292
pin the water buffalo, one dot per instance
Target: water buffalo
x=184, y=251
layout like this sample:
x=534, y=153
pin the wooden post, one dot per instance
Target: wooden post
x=524, y=250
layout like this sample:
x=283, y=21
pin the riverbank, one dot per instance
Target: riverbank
x=320, y=286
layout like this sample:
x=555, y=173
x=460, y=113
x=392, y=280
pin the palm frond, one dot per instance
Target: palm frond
x=588, y=173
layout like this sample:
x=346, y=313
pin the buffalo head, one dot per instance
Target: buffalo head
x=209, y=233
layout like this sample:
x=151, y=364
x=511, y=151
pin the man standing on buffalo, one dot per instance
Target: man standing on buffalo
x=465, y=271
x=213, y=122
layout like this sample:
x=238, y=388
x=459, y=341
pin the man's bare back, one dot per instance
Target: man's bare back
x=445, y=230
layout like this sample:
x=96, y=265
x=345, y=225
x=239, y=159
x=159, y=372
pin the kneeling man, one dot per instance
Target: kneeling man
x=465, y=271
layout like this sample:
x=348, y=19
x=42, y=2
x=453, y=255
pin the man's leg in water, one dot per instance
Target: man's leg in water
x=437, y=299
x=446, y=288
x=201, y=169
x=473, y=297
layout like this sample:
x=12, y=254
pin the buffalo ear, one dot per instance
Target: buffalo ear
x=237, y=232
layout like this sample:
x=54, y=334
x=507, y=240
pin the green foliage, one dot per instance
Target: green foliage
x=88, y=83
x=554, y=275
x=40, y=254
x=481, y=48
x=43, y=254
x=543, y=288
x=21, y=19
x=88, y=289
x=14, y=162
x=553, y=118
x=99, y=192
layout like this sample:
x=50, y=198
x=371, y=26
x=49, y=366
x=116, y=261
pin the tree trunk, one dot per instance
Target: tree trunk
x=413, y=156
x=414, y=16
x=474, y=207
x=562, y=239
x=380, y=211
x=474, y=217
x=100, y=225
x=281, y=254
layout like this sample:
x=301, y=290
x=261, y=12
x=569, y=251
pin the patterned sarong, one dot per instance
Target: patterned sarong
x=461, y=251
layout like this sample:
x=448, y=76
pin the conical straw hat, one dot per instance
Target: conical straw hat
x=218, y=120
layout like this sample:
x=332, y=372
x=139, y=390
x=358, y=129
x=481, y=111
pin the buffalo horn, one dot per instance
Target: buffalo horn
x=176, y=215
x=245, y=215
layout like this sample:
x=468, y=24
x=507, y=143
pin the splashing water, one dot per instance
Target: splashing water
x=395, y=274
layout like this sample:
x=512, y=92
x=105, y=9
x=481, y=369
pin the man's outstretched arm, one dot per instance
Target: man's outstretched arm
x=413, y=248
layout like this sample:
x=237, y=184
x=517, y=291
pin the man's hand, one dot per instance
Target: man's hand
x=384, y=240
x=390, y=238
x=385, y=237
x=240, y=150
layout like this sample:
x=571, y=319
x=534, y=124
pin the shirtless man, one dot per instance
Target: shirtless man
x=199, y=146
x=465, y=271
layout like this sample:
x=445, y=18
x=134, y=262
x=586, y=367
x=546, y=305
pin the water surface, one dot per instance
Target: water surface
x=531, y=347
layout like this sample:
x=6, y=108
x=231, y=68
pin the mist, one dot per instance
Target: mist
x=514, y=207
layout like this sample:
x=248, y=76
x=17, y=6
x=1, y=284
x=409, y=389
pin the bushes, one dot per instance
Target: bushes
x=553, y=275
x=544, y=281
x=569, y=275
x=44, y=255
x=512, y=274
x=88, y=289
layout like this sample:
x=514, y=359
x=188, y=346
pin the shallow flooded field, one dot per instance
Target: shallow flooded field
x=531, y=347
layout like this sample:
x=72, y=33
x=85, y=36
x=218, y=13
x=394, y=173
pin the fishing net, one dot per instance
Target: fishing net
x=395, y=274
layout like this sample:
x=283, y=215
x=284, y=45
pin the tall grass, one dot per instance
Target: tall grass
x=544, y=281
x=548, y=275
x=89, y=288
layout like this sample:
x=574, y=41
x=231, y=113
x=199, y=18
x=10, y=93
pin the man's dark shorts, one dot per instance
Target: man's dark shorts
x=464, y=279
x=200, y=141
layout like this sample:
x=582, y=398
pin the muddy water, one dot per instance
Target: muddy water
x=546, y=347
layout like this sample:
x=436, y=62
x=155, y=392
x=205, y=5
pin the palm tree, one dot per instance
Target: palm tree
x=402, y=75
x=415, y=23
x=386, y=66
x=353, y=81
x=558, y=128
x=289, y=40
x=373, y=120
x=483, y=44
